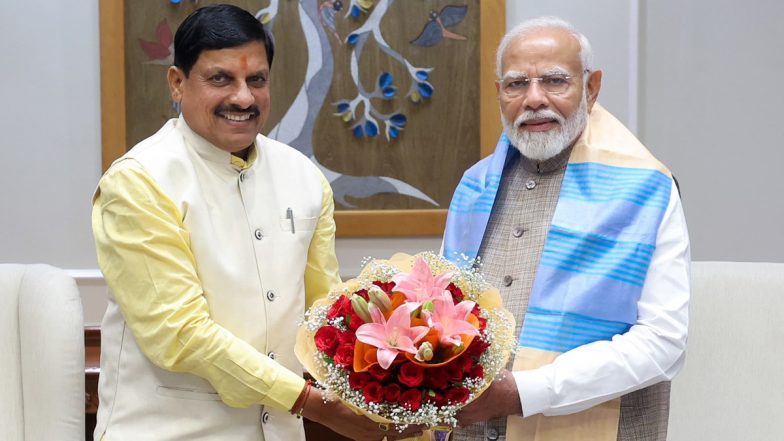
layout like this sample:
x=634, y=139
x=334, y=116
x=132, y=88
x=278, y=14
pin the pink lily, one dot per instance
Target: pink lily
x=420, y=285
x=390, y=336
x=450, y=319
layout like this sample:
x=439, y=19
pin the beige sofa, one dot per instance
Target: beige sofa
x=41, y=355
x=732, y=386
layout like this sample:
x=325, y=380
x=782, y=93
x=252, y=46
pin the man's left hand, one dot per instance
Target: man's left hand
x=499, y=400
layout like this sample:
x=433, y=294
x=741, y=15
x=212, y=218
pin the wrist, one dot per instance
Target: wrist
x=299, y=404
x=313, y=407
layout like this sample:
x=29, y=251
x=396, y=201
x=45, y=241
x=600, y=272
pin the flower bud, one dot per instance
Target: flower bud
x=379, y=298
x=360, y=306
x=425, y=352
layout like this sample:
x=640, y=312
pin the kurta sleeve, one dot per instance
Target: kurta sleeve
x=322, y=271
x=144, y=252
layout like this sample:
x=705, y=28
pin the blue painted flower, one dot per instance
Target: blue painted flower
x=371, y=129
x=385, y=80
x=425, y=89
x=398, y=120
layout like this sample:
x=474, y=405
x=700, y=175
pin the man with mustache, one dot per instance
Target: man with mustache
x=214, y=239
x=582, y=230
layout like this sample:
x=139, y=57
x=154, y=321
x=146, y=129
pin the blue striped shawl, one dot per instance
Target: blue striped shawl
x=601, y=239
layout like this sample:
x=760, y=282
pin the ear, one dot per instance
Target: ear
x=176, y=77
x=593, y=86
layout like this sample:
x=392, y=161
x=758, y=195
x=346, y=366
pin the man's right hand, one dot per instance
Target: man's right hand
x=335, y=415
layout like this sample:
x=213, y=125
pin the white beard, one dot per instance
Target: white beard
x=541, y=146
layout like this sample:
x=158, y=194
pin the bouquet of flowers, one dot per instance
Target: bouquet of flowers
x=410, y=341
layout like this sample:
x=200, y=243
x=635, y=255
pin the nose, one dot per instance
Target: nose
x=243, y=96
x=536, y=97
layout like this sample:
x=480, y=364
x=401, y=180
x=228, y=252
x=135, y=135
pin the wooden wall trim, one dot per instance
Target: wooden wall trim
x=113, y=129
x=492, y=13
x=390, y=223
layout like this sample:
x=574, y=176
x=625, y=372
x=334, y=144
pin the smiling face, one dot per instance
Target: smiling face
x=539, y=123
x=225, y=98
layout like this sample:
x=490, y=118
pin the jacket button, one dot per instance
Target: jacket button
x=258, y=234
x=530, y=184
x=265, y=417
x=492, y=434
x=507, y=280
x=271, y=355
x=518, y=232
x=270, y=296
x=242, y=177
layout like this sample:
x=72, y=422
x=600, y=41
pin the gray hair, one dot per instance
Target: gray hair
x=586, y=53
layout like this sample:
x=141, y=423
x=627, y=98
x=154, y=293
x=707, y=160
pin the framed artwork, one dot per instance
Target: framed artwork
x=393, y=100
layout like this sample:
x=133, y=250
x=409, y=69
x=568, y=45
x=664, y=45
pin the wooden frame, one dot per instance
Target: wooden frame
x=350, y=223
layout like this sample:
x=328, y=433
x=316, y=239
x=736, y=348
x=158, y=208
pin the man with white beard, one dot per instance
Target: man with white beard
x=582, y=231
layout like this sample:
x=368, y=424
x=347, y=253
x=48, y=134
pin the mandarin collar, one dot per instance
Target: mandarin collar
x=210, y=152
x=550, y=165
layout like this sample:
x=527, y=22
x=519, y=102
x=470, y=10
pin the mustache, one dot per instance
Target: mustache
x=237, y=109
x=538, y=114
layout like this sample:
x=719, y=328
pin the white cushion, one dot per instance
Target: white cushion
x=732, y=386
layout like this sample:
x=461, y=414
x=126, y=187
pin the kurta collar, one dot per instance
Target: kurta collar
x=210, y=152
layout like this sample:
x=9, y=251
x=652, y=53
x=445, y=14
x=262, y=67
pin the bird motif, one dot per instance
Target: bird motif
x=437, y=23
x=327, y=11
x=160, y=51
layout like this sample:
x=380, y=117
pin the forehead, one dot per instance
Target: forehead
x=543, y=49
x=249, y=56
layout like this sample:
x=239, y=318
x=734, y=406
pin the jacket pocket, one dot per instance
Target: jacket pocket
x=299, y=224
x=186, y=393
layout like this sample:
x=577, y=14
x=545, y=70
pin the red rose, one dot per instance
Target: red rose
x=482, y=323
x=353, y=321
x=339, y=308
x=477, y=371
x=476, y=310
x=373, y=392
x=456, y=395
x=412, y=375
x=344, y=355
x=466, y=361
x=411, y=399
x=435, y=397
x=454, y=371
x=346, y=337
x=385, y=286
x=363, y=293
x=392, y=393
x=477, y=348
x=358, y=380
x=326, y=339
x=379, y=373
x=457, y=293
x=436, y=378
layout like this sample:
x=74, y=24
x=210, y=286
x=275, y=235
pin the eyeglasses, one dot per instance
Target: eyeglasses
x=553, y=84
